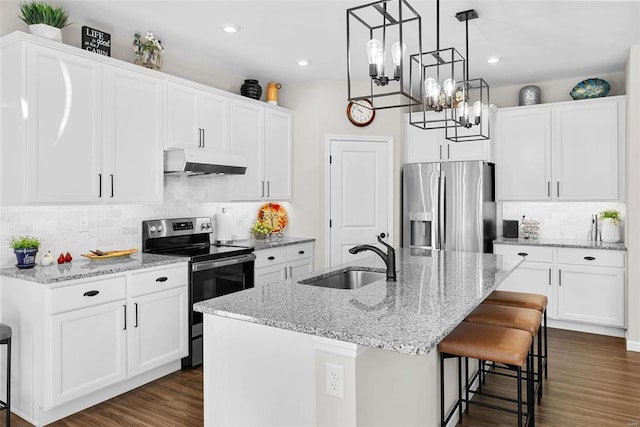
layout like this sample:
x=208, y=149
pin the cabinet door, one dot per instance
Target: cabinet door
x=183, y=129
x=63, y=130
x=88, y=350
x=591, y=294
x=277, y=155
x=586, y=151
x=523, y=154
x=299, y=267
x=213, y=118
x=273, y=273
x=159, y=329
x=247, y=133
x=134, y=135
x=535, y=278
x=469, y=150
x=422, y=145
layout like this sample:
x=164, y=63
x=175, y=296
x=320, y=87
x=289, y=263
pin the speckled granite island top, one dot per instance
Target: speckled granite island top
x=275, y=242
x=561, y=243
x=81, y=268
x=434, y=293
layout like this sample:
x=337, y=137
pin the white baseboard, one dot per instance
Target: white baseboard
x=633, y=345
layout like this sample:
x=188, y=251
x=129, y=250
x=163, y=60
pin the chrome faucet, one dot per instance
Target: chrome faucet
x=389, y=258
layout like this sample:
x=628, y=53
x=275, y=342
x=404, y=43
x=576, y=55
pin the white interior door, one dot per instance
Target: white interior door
x=359, y=195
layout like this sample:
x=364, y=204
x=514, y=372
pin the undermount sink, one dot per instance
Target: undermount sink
x=346, y=279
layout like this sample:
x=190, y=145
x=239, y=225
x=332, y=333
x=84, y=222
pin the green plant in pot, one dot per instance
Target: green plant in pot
x=610, y=229
x=25, y=248
x=261, y=230
x=43, y=19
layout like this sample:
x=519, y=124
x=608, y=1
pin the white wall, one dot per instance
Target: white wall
x=633, y=198
x=320, y=109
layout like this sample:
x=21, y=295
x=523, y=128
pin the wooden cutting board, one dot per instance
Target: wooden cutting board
x=111, y=254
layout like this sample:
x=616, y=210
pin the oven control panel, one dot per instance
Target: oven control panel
x=176, y=227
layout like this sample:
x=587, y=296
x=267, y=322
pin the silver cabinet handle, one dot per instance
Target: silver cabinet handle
x=559, y=277
x=448, y=151
x=268, y=188
x=285, y=273
x=203, y=138
x=548, y=188
x=200, y=144
x=549, y=277
x=290, y=272
x=125, y=317
x=135, y=304
x=440, y=153
x=558, y=189
x=111, y=184
x=262, y=192
x=99, y=185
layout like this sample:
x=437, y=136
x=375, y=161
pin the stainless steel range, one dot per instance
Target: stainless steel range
x=214, y=269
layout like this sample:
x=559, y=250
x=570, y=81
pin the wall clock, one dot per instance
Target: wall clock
x=361, y=112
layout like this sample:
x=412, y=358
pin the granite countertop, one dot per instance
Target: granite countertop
x=275, y=242
x=561, y=243
x=83, y=268
x=435, y=291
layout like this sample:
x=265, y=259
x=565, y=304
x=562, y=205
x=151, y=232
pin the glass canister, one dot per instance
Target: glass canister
x=530, y=95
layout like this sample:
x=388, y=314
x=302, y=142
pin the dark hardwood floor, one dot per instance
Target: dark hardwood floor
x=593, y=381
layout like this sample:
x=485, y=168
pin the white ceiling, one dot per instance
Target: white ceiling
x=538, y=40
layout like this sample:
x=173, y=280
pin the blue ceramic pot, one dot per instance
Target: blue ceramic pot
x=26, y=257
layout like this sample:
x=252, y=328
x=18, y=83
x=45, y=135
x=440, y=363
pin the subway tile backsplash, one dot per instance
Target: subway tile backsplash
x=116, y=226
x=562, y=220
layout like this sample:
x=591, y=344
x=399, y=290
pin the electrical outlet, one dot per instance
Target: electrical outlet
x=334, y=380
x=83, y=223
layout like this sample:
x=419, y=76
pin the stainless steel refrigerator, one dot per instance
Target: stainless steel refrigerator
x=449, y=206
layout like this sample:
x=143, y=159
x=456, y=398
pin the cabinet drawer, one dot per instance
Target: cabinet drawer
x=300, y=251
x=87, y=294
x=534, y=253
x=601, y=258
x=148, y=281
x=269, y=257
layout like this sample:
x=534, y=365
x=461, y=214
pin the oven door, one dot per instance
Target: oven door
x=210, y=279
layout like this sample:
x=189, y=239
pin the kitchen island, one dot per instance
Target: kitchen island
x=294, y=354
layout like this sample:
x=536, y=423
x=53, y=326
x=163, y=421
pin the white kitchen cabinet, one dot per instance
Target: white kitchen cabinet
x=85, y=341
x=430, y=145
x=585, y=287
x=263, y=136
x=196, y=119
x=563, y=151
x=280, y=263
x=133, y=128
x=82, y=130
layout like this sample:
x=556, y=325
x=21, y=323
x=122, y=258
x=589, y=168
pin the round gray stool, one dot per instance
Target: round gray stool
x=5, y=338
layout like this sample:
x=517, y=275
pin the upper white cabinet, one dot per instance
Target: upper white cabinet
x=430, y=145
x=263, y=136
x=196, y=118
x=563, y=151
x=81, y=131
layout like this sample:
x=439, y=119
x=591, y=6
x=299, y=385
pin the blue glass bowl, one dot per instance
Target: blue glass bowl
x=590, y=88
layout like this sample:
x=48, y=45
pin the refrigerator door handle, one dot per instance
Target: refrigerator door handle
x=441, y=210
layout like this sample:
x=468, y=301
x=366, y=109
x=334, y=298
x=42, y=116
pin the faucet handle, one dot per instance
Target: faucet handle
x=382, y=236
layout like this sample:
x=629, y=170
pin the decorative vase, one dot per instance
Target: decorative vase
x=272, y=92
x=26, y=257
x=610, y=231
x=530, y=95
x=259, y=236
x=46, y=31
x=150, y=58
x=251, y=89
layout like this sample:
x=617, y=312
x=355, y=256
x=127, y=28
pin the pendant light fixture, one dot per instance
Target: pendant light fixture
x=473, y=114
x=441, y=73
x=373, y=31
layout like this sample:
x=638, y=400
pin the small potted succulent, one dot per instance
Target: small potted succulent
x=610, y=230
x=43, y=19
x=261, y=230
x=25, y=248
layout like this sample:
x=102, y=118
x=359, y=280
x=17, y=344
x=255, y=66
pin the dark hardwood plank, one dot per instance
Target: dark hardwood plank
x=593, y=381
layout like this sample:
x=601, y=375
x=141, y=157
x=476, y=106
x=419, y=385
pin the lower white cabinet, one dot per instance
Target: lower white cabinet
x=280, y=263
x=85, y=341
x=585, y=287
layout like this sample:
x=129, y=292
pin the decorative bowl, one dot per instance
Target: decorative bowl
x=590, y=88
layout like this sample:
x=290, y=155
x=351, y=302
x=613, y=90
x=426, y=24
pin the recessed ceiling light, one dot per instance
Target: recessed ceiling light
x=230, y=28
x=493, y=59
x=303, y=62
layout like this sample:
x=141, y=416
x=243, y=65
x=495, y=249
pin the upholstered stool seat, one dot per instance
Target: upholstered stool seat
x=5, y=339
x=497, y=344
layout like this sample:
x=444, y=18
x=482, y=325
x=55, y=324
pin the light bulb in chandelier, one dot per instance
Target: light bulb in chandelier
x=477, y=110
x=397, y=53
x=375, y=53
x=463, y=113
x=431, y=89
x=448, y=86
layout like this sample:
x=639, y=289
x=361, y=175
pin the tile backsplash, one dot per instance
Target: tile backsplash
x=562, y=220
x=116, y=226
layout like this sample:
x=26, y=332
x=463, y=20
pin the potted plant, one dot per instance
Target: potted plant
x=43, y=19
x=25, y=248
x=610, y=230
x=148, y=51
x=260, y=230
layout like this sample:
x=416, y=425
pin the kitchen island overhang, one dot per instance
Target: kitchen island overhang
x=267, y=350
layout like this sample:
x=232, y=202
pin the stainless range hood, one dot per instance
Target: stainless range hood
x=195, y=162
